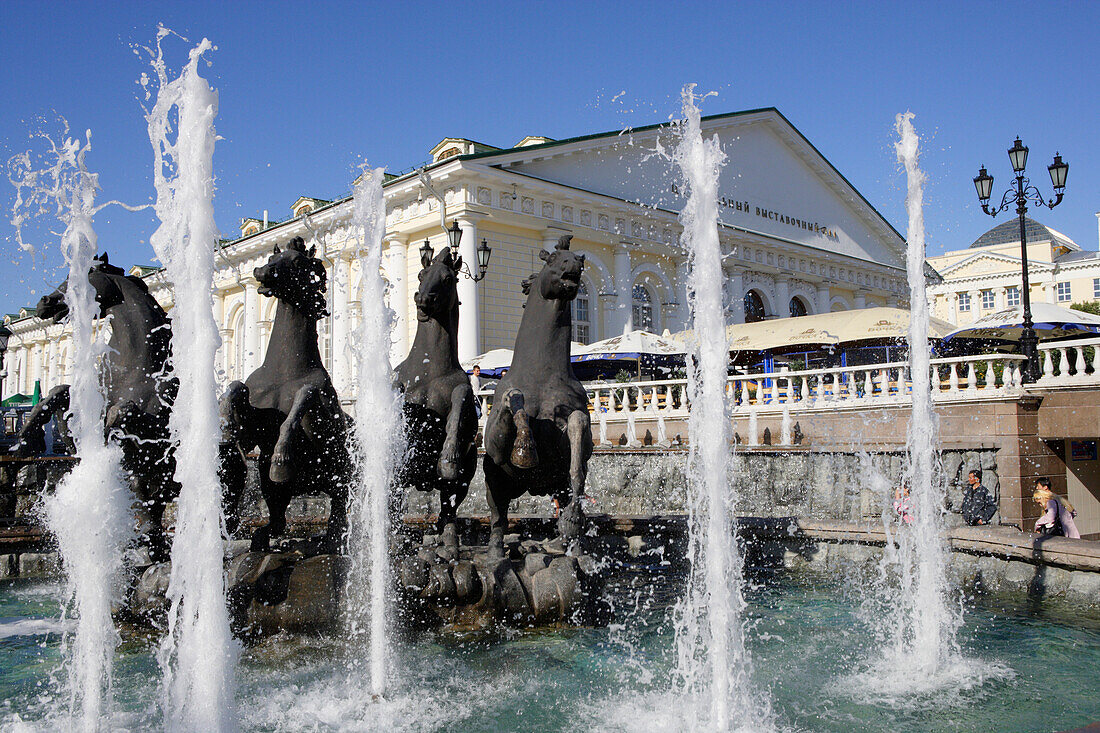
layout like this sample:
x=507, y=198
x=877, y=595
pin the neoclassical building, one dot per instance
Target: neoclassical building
x=798, y=238
x=986, y=276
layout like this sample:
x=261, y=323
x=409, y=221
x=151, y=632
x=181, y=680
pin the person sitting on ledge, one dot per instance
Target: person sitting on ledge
x=978, y=507
x=1058, y=513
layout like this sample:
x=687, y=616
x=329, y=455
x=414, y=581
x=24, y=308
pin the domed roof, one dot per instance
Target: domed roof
x=1009, y=231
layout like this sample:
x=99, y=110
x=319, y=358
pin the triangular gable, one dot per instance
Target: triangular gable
x=774, y=181
x=984, y=263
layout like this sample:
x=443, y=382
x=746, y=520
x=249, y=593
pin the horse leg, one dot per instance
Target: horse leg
x=495, y=496
x=524, y=454
x=448, y=457
x=280, y=457
x=232, y=466
x=32, y=436
x=571, y=518
x=451, y=494
x=277, y=498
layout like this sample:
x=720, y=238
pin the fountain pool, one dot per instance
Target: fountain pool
x=803, y=630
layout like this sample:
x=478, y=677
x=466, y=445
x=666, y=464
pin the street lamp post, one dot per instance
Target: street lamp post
x=5, y=334
x=1020, y=195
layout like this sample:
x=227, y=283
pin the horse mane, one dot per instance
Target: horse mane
x=528, y=282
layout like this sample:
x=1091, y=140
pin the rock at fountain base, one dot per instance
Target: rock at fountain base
x=535, y=584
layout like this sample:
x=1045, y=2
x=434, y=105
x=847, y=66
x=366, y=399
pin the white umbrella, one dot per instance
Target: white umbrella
x=1051, y=322
x=490, y=361
x=632, y=345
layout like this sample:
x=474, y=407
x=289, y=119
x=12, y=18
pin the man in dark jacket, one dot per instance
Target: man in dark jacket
x=978, y=507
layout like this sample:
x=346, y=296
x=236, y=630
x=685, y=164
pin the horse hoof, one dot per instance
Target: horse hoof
x=447, y=469
x=279, y=472
x=524, y=455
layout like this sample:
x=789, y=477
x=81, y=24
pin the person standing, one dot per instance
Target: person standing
x=1058, y=513
x=475, y=385
x=978, y=506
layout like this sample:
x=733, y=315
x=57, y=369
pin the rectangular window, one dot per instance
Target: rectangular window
x=964, y=302
x=988, y=303
x=1063, y=293
x=1012, y=296
x=1096, y=287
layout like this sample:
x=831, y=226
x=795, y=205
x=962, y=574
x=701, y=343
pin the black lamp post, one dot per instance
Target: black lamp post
x=5, y=334
x=484, y=252
x=1020, y=195
x=426, y=251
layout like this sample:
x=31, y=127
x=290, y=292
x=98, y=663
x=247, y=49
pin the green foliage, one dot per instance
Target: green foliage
x=1087, y=307
x=624, y=376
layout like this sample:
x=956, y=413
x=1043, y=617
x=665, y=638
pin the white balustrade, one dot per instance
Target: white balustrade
x=970, y=378
x=1070, y=363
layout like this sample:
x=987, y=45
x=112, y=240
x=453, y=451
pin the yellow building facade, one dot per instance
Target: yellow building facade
x=798, y=239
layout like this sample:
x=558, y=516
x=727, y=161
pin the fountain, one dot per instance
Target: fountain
x=379, y=435
x=555, y=616
x=198, y=654
x=93, y=492
x=713, y=663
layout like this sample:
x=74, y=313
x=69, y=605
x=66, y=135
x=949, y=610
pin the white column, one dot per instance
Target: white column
x=338, y=338
x=397, y=269
x=783, y=296
x=227, y=348
x=252, y=356
x=737, y=295
x=823, y=300
x=861, y=299
x=680, y=285
x=550, y=237
x=50, y=379
x=469, y=327
x=624, y=301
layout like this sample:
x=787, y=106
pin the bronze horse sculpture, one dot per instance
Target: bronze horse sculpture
x=288, y=408
x=538, y=437
x=440, y=419
x=139, y=391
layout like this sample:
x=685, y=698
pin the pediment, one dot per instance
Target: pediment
x=986, y=263
x=774, y=182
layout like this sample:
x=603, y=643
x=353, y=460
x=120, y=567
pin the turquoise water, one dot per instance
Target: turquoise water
x=1032, y=667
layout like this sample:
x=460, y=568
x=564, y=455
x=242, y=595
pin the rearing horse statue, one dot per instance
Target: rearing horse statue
x=440, y=419
x=139, y=391
x=288, y=407
x=538, y=437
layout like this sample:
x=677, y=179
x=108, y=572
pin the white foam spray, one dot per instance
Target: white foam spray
x=198, y=655
x=89, y=512
x=713, y=665
x=378, y=429
x=916, y=661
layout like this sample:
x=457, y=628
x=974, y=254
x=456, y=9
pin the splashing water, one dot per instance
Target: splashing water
x=93, y=494
x=910, y=612
x=713, y=664
x=198, y=655
x=378, y=429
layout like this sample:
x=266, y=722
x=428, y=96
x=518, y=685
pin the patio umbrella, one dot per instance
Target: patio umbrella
x=491, y=362
x=628, y=346
x=1051, y=322
x=36, y=396
x=825, y=329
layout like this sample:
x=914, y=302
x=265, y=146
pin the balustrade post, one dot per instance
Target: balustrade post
x=953, y=378
x=1079, y=362
x=971, y=377
x=1048, y=365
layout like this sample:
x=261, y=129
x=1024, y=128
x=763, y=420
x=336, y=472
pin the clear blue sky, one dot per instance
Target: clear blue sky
x=309, y=90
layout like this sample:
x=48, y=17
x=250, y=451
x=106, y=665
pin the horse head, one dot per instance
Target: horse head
x=294, y=275
x=437, y=295
x=101, y=276
x=560, y=277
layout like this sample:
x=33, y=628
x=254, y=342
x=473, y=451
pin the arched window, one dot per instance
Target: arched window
x=240, y=358
x=798, y=308
x=642, y=308
x=582, y=315
x=754, y=307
